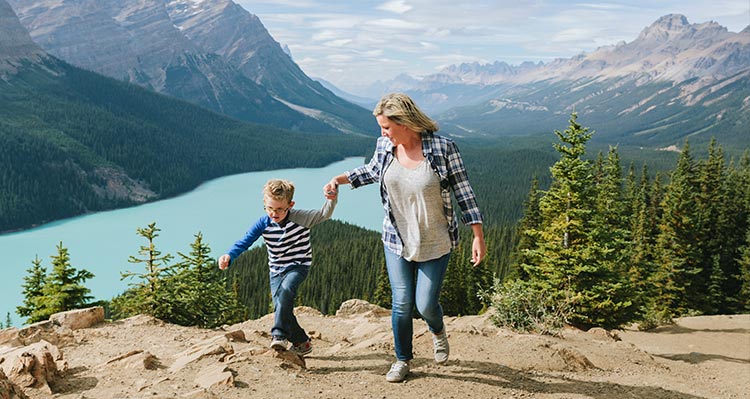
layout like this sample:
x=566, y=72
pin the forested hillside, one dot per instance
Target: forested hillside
x=72, y=141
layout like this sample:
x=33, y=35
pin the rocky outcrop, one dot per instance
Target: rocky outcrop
x=39, y=365
x=15, y=42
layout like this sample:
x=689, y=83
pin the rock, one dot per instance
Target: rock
x=306, y=310
x=9, y=390
x=79, y=318
x=214, y=346
x=38, y=365
x=574, y=360
x=601, y=334
x=40, y=331
x=236, y=336
x=360, y=307
x=215, y=375
x=137, y=359
x=290, y=357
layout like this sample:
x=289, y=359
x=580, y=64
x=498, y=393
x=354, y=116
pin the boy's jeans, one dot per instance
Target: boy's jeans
x=284, y=291
x=406, y=292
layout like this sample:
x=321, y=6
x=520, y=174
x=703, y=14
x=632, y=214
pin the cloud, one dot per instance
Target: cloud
x=378, y=39
x=395, y=6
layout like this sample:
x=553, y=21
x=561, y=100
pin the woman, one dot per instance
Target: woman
x=417, y=170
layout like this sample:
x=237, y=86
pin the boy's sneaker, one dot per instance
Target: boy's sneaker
x=398, y=372
x=279, y=343
x=442, y=350
x=302, y=349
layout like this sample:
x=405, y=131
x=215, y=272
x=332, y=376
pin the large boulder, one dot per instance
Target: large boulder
x=9, y=390
x=359, y=307
x=79, y=318
x=39, y=365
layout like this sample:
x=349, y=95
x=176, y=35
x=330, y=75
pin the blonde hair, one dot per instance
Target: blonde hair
x=279, y=189
x=401, y=109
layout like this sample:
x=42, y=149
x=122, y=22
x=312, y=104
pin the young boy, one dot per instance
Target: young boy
x=286, y=232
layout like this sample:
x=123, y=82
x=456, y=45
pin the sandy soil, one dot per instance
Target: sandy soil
x=698, y=357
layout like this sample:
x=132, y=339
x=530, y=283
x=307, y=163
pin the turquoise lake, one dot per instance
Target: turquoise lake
x=221, y=209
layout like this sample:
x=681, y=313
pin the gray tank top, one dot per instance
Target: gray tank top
x=417, y=206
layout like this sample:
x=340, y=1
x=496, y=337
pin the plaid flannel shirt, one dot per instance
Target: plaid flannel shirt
x=445, y=160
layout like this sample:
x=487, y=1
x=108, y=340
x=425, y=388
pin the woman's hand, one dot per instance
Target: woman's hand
x=331, y=189
x=478, y=247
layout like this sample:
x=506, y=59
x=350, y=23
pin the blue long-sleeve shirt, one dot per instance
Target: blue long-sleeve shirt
x=287, y=242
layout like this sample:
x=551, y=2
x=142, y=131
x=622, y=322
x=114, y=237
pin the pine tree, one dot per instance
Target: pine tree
x=569, y=261
x=734, y=217
x=32, y=289
x=678, y=276
x=744, y=275
x=711, y=240
x=202, y=296
x=529, y=223
x=453, y=293
x=62, y=289
x=150, y=294
x=382, y=295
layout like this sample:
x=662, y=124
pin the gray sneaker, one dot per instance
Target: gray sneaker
x=442, y=349
x=279, y=343
x=398, y=372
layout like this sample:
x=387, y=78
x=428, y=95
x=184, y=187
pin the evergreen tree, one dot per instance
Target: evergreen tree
x=382, y=296
x=453, y=293
x=710, y=200
x=150, y=294
x=644, y=230
x=62, y=289
x=733, y=221
x=569, y=261
x=744, y=275
x=32, y=289
x=677, y=280
x=529, y=223
x=202, y=296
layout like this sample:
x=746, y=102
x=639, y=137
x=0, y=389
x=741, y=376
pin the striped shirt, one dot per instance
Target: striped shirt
x=445, y=160
x=287, y=242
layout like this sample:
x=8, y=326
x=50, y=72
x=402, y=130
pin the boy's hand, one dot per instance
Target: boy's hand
x=224, y=262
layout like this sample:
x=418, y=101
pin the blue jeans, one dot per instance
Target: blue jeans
x=414, y=283
x=284, y=291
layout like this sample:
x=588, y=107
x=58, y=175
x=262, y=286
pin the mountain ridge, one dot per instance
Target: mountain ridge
x=150, y=43
x=671, y=74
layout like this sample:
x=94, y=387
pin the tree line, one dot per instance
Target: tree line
x=602, y=245
x=616, y=249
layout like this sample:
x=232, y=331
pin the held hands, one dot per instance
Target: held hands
x=224, y=262
x=331, y=189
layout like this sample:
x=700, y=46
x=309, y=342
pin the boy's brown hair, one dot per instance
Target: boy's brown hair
x=279, y=189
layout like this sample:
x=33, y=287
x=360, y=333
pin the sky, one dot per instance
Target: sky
x=355, y=43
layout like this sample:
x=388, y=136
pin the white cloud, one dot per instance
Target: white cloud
x=395, y=6
x=380, y=39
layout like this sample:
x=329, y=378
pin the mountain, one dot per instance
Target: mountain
x=73, y=141
x=211, y=53
x=367, y=103
x=15, y=43
x=675, y=80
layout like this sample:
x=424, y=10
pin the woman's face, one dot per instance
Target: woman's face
x=399, y=134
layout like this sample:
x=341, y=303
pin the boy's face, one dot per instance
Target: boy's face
x=277, y=209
